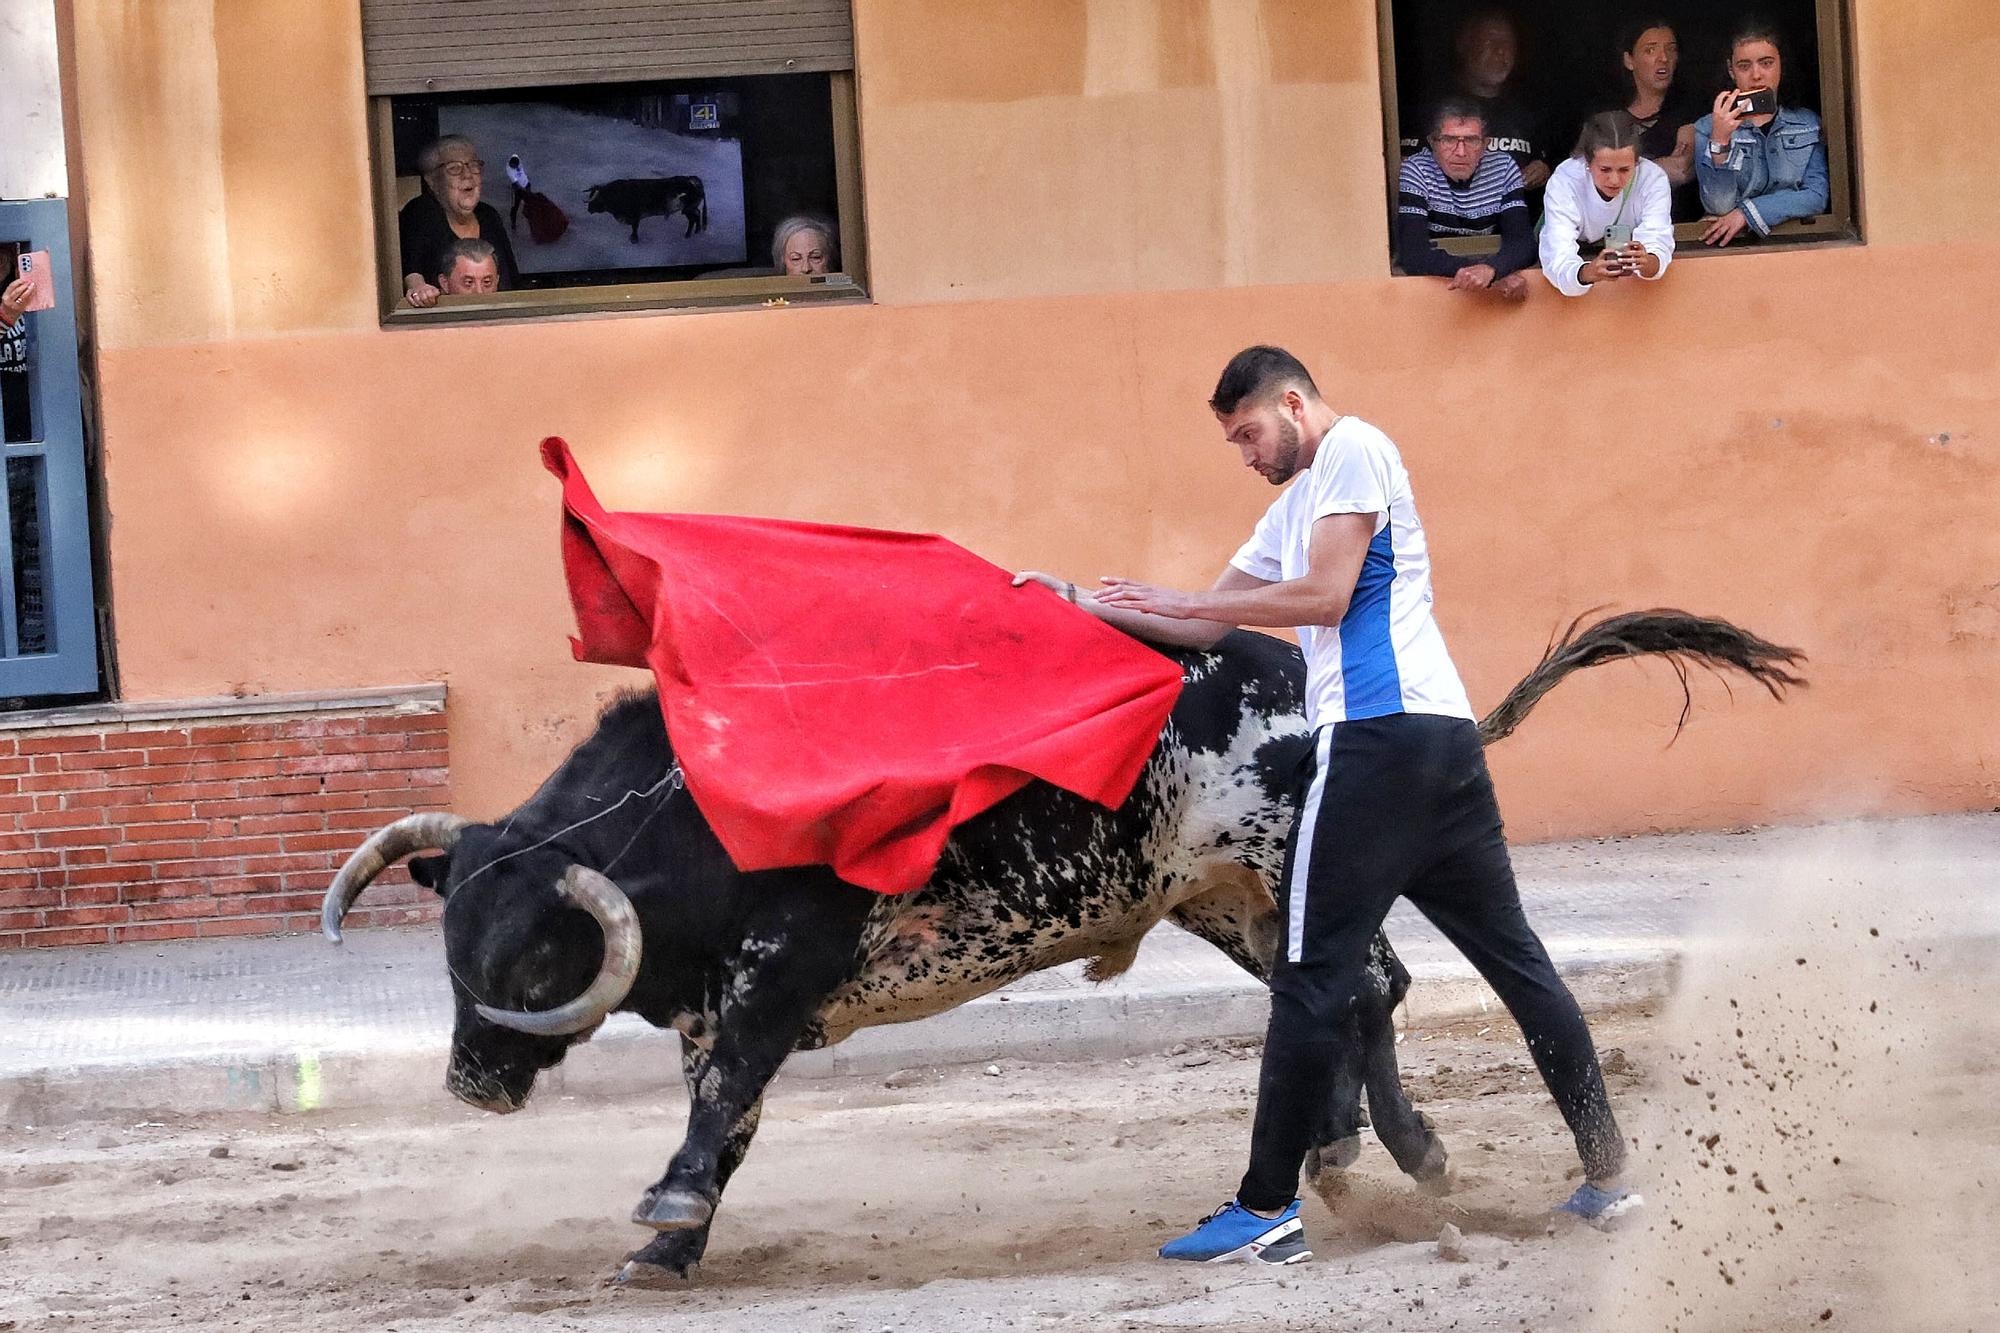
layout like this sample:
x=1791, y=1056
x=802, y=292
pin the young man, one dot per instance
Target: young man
x=1395, y=798
x=1757, y=171
x=1455, y=187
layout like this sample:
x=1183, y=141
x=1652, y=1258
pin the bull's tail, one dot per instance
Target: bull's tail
x=1675, y=635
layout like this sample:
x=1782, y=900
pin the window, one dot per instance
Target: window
x=611, y=154
x=1569, y=65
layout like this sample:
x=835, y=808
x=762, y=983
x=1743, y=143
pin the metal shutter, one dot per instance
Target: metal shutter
x=419, y=46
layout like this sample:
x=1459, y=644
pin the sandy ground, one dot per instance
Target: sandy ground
x=1812, y=1113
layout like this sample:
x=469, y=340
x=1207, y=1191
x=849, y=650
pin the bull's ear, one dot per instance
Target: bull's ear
x=429, y=871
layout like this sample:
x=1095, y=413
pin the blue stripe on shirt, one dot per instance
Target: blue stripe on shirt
x=1370, y=684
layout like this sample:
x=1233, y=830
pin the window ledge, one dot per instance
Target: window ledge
x=397, y=699
x=775, y=293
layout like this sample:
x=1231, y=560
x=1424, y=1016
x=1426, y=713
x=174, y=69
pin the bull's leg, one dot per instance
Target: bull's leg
x=799, y=950
x=1242, y=920
x=679, y=1251
x=1403, y=1129
x=635, y=231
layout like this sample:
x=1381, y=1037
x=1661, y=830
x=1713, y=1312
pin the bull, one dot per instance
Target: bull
x=632, y=199
x=607, y=890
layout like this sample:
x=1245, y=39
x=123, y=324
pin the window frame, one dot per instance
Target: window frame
x=1840, y=224
x=687, y=294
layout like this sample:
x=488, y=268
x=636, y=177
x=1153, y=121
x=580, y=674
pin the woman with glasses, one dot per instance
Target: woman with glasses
x=449, y=210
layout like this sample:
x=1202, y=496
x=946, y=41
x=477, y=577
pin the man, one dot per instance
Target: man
x=470, y=268
x=517, y=181
x=1757, y=171
x=1486, y=55
x=1456, y=188
x=1395, y=797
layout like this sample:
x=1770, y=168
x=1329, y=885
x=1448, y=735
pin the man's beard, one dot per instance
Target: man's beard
x=1285, y=465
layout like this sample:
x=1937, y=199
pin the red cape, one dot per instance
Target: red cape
x=845, y=696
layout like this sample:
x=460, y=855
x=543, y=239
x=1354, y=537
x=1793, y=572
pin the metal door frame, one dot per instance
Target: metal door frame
x=55, y=395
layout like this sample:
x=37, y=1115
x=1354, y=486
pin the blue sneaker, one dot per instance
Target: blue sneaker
x=1600, y=1207
x=1234, y=1234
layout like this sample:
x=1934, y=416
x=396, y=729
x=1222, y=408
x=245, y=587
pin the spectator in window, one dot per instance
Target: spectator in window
x=449, y=209
x=14, y=412
x=1662, y=115
x=1757, y=170
x=804, y=245
x=1486, y=54
x=1607, y=193
x=1455, y=187
x=471, y=268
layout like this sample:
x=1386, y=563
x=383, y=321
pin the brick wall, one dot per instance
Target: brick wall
x=218, y=818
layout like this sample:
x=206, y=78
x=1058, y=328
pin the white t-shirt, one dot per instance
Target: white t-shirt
x=1573, y=212
x=1387, y=654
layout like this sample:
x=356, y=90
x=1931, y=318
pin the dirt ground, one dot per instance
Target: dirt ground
x=1812, y=1115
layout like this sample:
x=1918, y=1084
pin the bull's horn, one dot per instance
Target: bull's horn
x=613, y=910
x=385, y=847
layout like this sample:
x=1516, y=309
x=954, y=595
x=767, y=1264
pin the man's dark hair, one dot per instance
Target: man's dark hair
x=1255, y=372
x=1756, y=29
x=1455, y=108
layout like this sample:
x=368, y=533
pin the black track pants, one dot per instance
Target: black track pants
x=1403, y=806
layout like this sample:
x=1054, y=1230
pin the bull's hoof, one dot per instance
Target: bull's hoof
x=639, y=1274
x=673, y=1210
x=1434, y=1172
x=1335, y=1156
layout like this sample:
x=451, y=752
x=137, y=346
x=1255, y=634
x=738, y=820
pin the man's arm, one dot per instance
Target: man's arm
x=1167, y=630
x=1319, y=597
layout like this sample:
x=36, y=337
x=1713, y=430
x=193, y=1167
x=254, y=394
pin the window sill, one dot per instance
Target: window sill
x=1801, y=234
x=773, y=293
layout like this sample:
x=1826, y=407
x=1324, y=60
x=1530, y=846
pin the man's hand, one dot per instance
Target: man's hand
x=1132, y=595
x=14, y=300
x=1721, y=231
x=1513, y=287
x=1535, y=175
x=420, y=293
x=1473, y=278
x=1062, y=588
x=1723, y=128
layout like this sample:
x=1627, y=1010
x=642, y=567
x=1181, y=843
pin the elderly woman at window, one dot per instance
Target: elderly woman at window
x=804, y=245
x=448, y=210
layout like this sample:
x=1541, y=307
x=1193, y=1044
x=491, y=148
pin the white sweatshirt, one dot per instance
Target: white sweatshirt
x=1574, y=212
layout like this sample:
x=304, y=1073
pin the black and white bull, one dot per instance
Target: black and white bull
x=608, y=890
x=631, y=200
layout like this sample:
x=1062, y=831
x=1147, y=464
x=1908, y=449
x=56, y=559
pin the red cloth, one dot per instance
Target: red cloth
x=845, y=696
x=546, y=221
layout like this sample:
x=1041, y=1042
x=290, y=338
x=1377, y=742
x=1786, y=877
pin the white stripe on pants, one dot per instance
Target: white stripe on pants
x=1295, y=924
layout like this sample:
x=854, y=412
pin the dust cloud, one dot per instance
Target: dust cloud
x=1820, y=1144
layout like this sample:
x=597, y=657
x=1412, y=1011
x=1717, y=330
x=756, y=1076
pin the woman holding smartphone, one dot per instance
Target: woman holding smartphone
x=1606, y=193
x=1759, y=163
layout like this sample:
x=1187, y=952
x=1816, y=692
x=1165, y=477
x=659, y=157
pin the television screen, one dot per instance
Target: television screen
x=645, y=181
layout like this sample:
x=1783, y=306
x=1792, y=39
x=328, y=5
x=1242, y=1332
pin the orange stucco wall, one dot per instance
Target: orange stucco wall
x=302, y=500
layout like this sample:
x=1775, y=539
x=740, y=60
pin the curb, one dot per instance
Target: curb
x=631, y=1058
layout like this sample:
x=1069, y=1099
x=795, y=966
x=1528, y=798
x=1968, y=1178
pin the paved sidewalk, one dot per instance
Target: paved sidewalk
x=295, y=1023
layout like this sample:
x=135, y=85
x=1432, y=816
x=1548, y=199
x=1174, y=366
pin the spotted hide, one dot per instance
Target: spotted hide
x=607, y=889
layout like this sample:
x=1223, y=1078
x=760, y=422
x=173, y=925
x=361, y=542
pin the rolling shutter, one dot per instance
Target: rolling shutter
x=420, y=46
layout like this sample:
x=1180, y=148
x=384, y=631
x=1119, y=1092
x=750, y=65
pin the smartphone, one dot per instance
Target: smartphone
x=1617, y=236
x=1757, y=102
x=34, y=266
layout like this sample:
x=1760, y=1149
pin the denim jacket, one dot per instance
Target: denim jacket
x=1773, y=175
